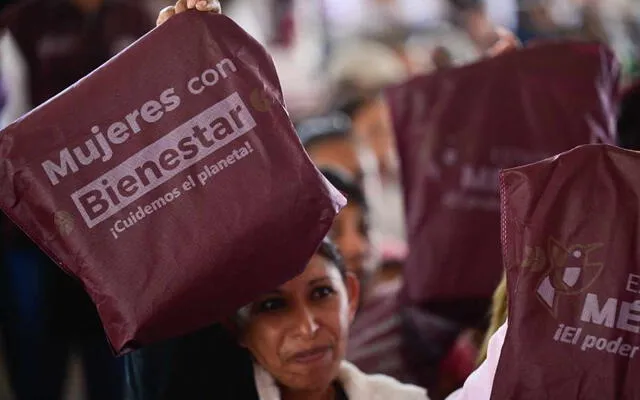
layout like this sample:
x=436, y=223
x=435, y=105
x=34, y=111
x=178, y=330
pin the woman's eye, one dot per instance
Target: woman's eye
x=271, y=305
x=322, y=292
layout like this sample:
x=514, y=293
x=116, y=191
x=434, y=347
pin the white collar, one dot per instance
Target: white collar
x=356, y=384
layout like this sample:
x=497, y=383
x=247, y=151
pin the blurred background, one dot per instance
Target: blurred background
x=331, y=55
x=319, y=43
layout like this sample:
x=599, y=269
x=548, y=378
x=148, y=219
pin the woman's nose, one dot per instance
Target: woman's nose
x=306, y=323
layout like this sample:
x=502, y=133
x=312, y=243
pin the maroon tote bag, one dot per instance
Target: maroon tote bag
x=457, y=128
x=169, y=181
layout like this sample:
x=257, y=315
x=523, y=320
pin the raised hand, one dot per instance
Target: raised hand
x=184, y=5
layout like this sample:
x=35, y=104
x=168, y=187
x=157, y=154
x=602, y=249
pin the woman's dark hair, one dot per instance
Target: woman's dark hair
x=329, y=251
x=346, y=185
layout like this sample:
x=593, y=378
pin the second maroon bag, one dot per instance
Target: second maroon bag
x=170, y=181
x=457, y=128
x=570, y=243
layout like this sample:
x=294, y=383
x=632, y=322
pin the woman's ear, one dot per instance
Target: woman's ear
x=353, y=291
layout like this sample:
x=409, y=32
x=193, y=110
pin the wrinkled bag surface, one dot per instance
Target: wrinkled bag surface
x=457, y=128
x=570, y=243
x=169, y=181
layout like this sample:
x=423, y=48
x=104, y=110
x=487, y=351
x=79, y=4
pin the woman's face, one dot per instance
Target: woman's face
x=298, y=333
x=350, y=233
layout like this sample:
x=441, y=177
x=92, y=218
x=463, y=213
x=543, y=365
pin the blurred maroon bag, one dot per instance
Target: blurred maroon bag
x=457, y=128
x=570, y=243
x=170, y=181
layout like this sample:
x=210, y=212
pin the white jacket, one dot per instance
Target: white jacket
x=359, y=386
x=356, y=384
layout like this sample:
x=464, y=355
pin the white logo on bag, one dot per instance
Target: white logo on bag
x=570, y=271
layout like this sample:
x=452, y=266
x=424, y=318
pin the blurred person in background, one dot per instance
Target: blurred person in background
x=360, y=71
x=438, y=352
x=329, y=143
x=615, y=23
x=543, y=19
x=44, y=48
x=350, y=229
x=375, y=341
x=487, y=23
x=386, y=336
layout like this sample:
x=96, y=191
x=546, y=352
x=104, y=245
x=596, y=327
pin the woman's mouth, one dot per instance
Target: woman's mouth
x=311, y=356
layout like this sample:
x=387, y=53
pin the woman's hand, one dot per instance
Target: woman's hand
x=184, y=5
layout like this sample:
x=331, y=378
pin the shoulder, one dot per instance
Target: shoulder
x=359, y=385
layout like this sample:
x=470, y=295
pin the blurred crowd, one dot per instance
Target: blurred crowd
x=334, y=57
